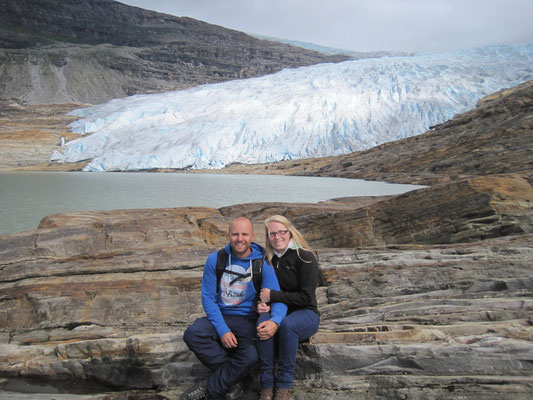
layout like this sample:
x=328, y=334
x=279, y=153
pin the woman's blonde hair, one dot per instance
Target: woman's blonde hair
x=297, y=237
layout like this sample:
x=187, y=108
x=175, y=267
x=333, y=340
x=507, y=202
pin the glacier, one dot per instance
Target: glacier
x=321, y=110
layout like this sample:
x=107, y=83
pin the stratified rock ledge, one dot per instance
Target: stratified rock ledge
x=426, y=295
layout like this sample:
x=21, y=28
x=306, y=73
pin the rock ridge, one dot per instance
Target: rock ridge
x=93, y=51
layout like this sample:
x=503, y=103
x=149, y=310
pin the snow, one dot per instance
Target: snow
x=322, y=110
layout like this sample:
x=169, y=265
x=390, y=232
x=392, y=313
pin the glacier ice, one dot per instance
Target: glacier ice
x=322, y=110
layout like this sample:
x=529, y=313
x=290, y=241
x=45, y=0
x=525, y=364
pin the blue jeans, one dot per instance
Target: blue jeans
x=228, y=365
x=295, y=327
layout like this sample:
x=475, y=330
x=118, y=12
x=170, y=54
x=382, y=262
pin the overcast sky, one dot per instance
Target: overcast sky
x=367, y=25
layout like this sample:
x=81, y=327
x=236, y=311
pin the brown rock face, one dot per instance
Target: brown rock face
x=105, y=296
x=460, y=211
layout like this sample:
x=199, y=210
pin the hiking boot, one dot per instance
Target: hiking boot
x=283, y=394
x=235, y=392
x=267, y=394
x=196, y=392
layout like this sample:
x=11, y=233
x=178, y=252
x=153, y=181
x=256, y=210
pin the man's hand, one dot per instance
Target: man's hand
x=262, y=308
x=266, y=329
x=229, y=341
x=265, y=295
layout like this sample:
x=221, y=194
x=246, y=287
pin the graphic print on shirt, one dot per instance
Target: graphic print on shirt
x=235, y=293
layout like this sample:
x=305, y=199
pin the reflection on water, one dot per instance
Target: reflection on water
x=25, y=198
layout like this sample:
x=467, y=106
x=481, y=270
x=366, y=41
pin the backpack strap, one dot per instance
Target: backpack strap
x=222, y=260
x=257, y=275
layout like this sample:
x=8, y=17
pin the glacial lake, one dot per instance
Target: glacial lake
x=27, y=197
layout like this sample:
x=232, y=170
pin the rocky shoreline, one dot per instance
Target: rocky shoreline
x=425, y=295
x=105, y=297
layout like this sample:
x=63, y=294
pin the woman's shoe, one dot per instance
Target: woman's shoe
x=283, y=394
x=267, y=394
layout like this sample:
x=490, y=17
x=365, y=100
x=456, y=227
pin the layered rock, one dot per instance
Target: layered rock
x=105, y=296
x=461, y=211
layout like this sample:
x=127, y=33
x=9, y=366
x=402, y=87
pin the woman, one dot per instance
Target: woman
x=296, y=267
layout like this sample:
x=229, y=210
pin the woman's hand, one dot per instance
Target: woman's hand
x=266, y=329
x=265, y=295
x=262, y=308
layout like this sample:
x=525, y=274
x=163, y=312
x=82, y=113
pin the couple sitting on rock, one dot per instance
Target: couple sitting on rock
x=232, y=338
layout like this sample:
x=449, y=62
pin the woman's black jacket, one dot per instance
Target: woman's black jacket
x=298, y=278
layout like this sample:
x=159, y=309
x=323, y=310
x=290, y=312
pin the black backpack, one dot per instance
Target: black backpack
x=257, y=271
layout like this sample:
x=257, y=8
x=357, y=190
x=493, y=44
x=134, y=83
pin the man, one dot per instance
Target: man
x=225, y=341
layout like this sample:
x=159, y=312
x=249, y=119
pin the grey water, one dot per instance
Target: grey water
x=27, y=197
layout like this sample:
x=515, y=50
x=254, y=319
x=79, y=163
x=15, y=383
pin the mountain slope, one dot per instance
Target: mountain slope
x=323, y=110
x=92, y=51
x=356, y=55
